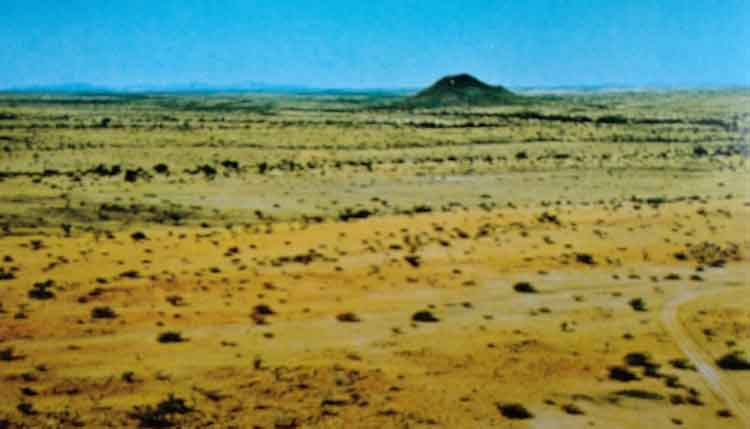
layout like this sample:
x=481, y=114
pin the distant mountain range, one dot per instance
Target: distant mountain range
x=201, y=88
x=259, y=87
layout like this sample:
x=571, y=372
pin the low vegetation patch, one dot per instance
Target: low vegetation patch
x=734, y=361
x=424, y=316
x=514, y=411
x=162, y=415
x=524, y=287
x=348, y=317
x=619, y=373
x=41, y=290
x=171, y=337
x=639, y=394
x=638, y=304
x=103, y=313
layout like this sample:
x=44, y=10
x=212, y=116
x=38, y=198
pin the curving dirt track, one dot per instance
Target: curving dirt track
x=721, y=385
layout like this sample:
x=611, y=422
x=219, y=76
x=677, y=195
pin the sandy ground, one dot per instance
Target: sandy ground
x=196, y=262
x=302, y=366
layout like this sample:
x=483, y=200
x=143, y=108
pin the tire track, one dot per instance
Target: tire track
x=717, y=382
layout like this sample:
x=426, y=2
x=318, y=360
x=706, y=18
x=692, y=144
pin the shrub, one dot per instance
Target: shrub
x=524, y=287
x=175, y=300
x=103, y=313
x=572, y=409
x=699, y=151
x=263, y=310
x=413, y=260
x=348, y=214
x=162, y=415
x=130, y=274
x=639, y=394
x=41, y=290
x=424, y=316
x=131, y=176
x=681, y=363
x=638, y=304
x=129, y=377
x=229, y=164
x=640, y=359
x=161, y=168
x=27, y=409
x=138, y=236
x=621, y=374
x=514, y=411
x=734, y=361
x=6, y=275
x=171, y=337
x=8, y=355
x=348, y=317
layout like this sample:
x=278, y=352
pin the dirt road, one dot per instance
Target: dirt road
x=719, y=383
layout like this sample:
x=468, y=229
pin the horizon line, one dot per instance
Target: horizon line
x=291, y=88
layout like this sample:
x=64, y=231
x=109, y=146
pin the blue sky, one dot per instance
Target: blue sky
x=368, y=43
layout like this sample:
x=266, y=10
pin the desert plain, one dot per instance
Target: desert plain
x=344, y=261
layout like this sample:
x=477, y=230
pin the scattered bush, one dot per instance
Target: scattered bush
x=41, y=290
x=699, y=151
x=103, y=313
x=548, y=218
x=230, y=165
x=638, y=304
x=348, y=317
x=27, y=409
x=514, y=411
x=175, y=300
x=734, y=361
x=138, y=236
x=207, y=170
x=263, y=310
x=262, y=168
x=524, y=287
x=162, y=415
x=422, y=208
x=104, y=171
x=572, y=409
x=349, y=214
x=424, y=316
x=413, y=260
x=6, y=275
x=171, y=337
x=161, y=168
x=8, y=355
x=681, y=363
x=130, y=274
x=131, y=176
x=129, y=377
x=619, y=373
x=640, y=359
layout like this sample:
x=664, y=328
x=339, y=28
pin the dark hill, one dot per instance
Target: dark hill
x=462, y=90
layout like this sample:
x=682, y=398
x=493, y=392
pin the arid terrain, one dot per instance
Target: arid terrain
x=342, y=261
